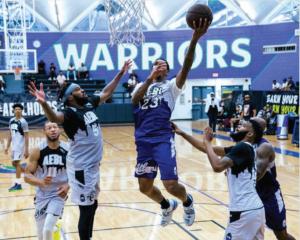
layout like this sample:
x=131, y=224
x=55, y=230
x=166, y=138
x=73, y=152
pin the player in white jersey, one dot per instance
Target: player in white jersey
x=18, y=138
x=154, y=101
x=46, y=169
x=82, y=127
x=247, y=215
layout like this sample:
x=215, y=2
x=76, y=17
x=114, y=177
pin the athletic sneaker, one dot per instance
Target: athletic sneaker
x=189, y=213
x=167, y=213
x=16, y=187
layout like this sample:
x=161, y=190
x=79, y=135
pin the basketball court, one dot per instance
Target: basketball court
x=124, y=213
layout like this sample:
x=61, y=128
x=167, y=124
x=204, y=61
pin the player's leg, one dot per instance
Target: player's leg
x=49, y=224
x=86, y=219
x=16, y=158
x=165, y=155
x=39, y=226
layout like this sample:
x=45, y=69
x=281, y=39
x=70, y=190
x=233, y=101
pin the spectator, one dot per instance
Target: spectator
x=236, y=117
x=221, y=116
x=131, y=82
x=249, y=109
x=211, y=109
x=246, y=85
x=2, y=84
x=41, y=67
x=83, y=72
x=52, y=73
x=276, y=86
x=61, y=79
x=290, y=84
x=71, y=70
x=284, y=85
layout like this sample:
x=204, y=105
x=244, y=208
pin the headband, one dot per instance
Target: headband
x=69, y=91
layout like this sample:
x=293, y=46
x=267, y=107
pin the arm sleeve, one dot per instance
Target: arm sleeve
x=95, y=100
x=174, y=88
x=239, y=154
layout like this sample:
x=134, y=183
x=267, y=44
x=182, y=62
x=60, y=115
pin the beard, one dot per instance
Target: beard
x=238, y=136
x=81, y=100
x=52, y=139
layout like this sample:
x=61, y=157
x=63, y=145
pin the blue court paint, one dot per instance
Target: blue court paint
x=277, y=150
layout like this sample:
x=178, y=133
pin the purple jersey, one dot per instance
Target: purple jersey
x=152, y=115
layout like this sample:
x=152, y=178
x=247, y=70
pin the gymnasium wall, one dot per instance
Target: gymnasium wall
x=233, y=52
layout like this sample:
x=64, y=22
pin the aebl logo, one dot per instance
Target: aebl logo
x=218, y=54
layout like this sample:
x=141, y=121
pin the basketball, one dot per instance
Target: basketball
x=196, y=12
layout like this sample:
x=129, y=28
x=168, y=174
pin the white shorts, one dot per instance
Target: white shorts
x=84, y=184
x=247, y=225
x=53, y=205
x=16, y=155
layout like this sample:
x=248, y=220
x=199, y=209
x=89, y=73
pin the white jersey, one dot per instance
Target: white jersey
x=17, y=129
x=242, y=178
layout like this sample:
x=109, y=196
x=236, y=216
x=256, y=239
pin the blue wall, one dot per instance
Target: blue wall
x=233, y=52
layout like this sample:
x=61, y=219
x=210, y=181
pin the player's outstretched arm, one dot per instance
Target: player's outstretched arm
x=139, y=94
x=52, y=116
x=189, y=58
x=220, y=151
x=218, y=164
x=265, y=154
x=109, y=89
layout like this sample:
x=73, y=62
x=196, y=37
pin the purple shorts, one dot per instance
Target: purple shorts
x=151, y=156
x=275, y=212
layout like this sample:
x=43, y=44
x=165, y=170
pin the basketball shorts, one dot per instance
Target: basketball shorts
x=247, y=225
x=43, y=207
x=84, y=184
x=275, y=212
x=16, y=155
x=151, y=156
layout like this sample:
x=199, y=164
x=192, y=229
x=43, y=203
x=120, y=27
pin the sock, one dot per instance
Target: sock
x=231, y=129
x=18, y=181
x=188, y=201
x=164, y=204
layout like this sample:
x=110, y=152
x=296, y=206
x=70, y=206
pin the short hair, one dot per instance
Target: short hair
x=258, y=131
x=19, y=105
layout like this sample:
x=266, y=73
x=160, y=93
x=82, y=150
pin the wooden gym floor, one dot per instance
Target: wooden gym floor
x=124, y=213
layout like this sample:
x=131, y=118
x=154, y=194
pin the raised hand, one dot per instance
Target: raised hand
x=201, y=29
x=126, y=66
x=39, y=94
x=208, y=135
x=158, y=69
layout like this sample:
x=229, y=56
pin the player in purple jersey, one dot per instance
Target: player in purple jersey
x=154, y=101
x=268, y=189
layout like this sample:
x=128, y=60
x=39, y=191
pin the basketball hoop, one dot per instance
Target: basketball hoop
x=125, y=21
x=18, y=73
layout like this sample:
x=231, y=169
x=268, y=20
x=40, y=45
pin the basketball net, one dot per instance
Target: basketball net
x=18, y=73
x=125, y=21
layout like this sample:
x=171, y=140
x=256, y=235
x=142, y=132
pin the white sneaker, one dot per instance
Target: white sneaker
x=189, y=213
x=167, y=213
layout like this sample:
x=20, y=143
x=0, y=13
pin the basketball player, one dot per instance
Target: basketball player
x=268, y=189
x=82, y=127
x=18, y=137
x=46, y=170
x=267, y=186
x=154, y=102
x=247, y=215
